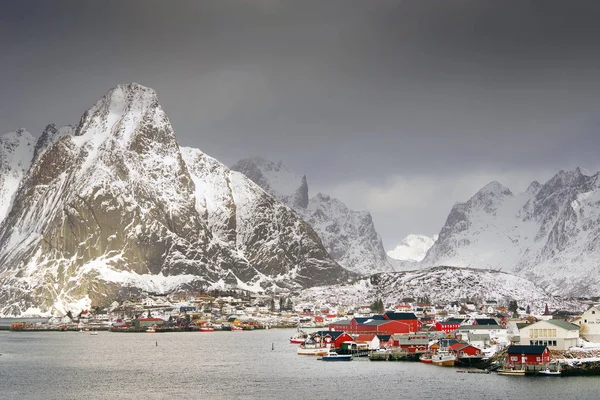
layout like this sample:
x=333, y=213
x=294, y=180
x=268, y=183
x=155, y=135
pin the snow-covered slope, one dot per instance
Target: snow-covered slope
x=112, y=206
x=412, y=248
x=16, y=152
x=349, y=236
x=549, y=234
x=439, y=285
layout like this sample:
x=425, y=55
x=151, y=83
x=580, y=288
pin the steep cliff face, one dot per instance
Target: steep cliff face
x=111, y=203
x=349, y=236
x=549, y=234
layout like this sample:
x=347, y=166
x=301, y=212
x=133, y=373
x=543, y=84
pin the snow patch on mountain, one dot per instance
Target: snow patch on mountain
x=16, y=152
x=412, y=247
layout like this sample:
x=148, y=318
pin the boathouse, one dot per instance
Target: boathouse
x=528, y=355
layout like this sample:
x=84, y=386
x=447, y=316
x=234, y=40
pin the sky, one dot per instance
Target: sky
x=401, y=108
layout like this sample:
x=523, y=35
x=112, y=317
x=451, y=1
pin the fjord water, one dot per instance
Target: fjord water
x=232, y=365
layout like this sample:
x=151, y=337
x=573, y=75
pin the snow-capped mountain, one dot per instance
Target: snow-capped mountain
x=549, y=234
x=349, y=236
x=439, y=285
x=114, y=204
x=412, y=248
x=16, y=152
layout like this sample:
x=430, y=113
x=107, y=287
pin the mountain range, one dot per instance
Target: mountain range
x=112, y=205
x=549, y=234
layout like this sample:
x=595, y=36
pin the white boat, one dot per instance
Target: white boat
x=333, y=356
x=511, y=371
x=549, y=372
x=93, y=333
x=443, y=359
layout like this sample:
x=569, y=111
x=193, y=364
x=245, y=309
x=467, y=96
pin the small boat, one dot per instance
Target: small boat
x=151, y=330
x=333, y=356
x=297, y=340
x=236, y=328
x=426, y=358
x=511, y=371
x=93, y=333
x=549, y=372
x=207, y=329
x=443, y=359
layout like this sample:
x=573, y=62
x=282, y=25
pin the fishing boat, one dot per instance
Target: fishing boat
x=426, y=358
x=151, y=330
x=236, y=328
x=312, y=349
x=333, y=356
x=443, y=359
x=206, y=329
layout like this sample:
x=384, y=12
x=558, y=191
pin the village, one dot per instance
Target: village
x=464, y=333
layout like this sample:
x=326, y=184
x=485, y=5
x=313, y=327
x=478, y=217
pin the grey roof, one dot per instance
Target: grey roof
x=563, y=324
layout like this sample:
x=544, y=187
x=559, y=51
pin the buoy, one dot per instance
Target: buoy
x=272, y=345
x=156, y=344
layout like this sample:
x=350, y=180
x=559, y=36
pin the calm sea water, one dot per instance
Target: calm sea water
x=232, y=365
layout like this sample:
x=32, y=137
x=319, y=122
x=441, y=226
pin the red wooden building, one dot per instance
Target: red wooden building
x=334, y=338
x=464, y=349
x=412, y=343
x=450, y=325
x=528, y=355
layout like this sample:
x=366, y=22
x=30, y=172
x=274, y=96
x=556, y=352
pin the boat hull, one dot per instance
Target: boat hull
x=426, y=360
x=337, y=358
x=443, y=363
x=312, y=352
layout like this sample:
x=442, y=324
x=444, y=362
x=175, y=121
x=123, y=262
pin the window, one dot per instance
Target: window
x=593, y=312
x=538, y=358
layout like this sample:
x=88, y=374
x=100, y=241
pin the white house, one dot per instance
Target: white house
x=590, y=323
x=554, y=333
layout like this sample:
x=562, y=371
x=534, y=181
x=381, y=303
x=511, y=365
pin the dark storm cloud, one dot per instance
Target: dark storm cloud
x=352, y=93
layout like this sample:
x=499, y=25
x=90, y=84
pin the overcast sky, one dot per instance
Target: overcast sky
x=398, y=107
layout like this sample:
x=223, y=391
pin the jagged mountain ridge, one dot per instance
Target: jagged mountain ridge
x=349, y=236
x=114, y=203
x=440, y=285
x=549, y=234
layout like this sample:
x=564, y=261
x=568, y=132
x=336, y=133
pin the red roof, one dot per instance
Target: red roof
x=364, y=338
